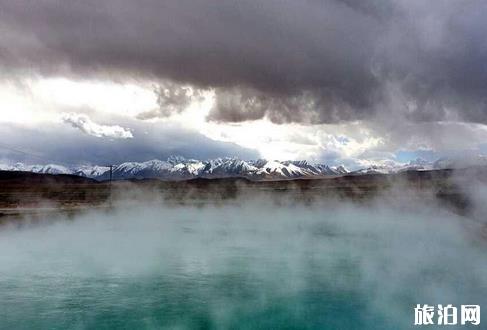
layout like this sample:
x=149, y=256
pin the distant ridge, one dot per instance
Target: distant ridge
x=179, y=168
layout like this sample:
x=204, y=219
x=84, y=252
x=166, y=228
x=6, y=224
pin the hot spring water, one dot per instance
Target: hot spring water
x=249, y=266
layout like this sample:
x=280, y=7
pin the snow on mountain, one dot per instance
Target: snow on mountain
x=340, y=169
x=91, y=171
x=133, y=170
x=188, y=168
x=51, y=169
x=228, y=167
x=8, y=167
x=47, y=169
x=275, y=168
x=179, y=168
x=417, y=164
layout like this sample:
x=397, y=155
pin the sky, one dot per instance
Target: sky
x=332, y=81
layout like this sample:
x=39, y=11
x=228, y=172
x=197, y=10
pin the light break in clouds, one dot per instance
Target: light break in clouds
x=334, y=80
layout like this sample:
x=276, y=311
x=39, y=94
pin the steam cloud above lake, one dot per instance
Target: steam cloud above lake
x=244, y=262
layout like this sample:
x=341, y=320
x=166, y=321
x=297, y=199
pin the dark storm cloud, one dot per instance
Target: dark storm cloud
x=172, y=98
x=293, y=61
x=66, y=145
x=241, y=104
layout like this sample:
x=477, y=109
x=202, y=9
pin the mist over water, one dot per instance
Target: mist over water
x=251, y=264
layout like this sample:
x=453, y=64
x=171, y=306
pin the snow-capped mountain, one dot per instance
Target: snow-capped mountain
x=49, y=168
x=179, y=168
x=417, y=164
x=420, y=164
x=90, y=171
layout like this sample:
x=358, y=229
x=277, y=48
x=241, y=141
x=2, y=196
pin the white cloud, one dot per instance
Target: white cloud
x=126, y=99
x=83, y=104
x=86, y=125
x=34, y=101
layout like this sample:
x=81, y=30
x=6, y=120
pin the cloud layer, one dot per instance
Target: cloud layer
x=56, y=143
x=292, y=61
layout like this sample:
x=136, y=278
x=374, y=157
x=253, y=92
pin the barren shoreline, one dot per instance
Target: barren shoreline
x=24, y=193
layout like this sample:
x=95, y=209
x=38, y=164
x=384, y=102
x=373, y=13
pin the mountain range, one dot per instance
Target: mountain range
x=179, y=168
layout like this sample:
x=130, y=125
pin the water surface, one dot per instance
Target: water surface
x=248, y=266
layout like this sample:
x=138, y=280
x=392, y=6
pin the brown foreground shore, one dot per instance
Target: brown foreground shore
x=25, y=193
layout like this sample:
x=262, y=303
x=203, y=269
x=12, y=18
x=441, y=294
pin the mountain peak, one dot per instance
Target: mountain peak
x=180, y=168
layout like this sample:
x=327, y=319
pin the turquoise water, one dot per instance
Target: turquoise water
x=246, y=267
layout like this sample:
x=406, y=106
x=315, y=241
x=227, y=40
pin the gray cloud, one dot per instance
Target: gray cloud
x=292, y=61
x=172, y=98
x=60, y=144
x=241, y=104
